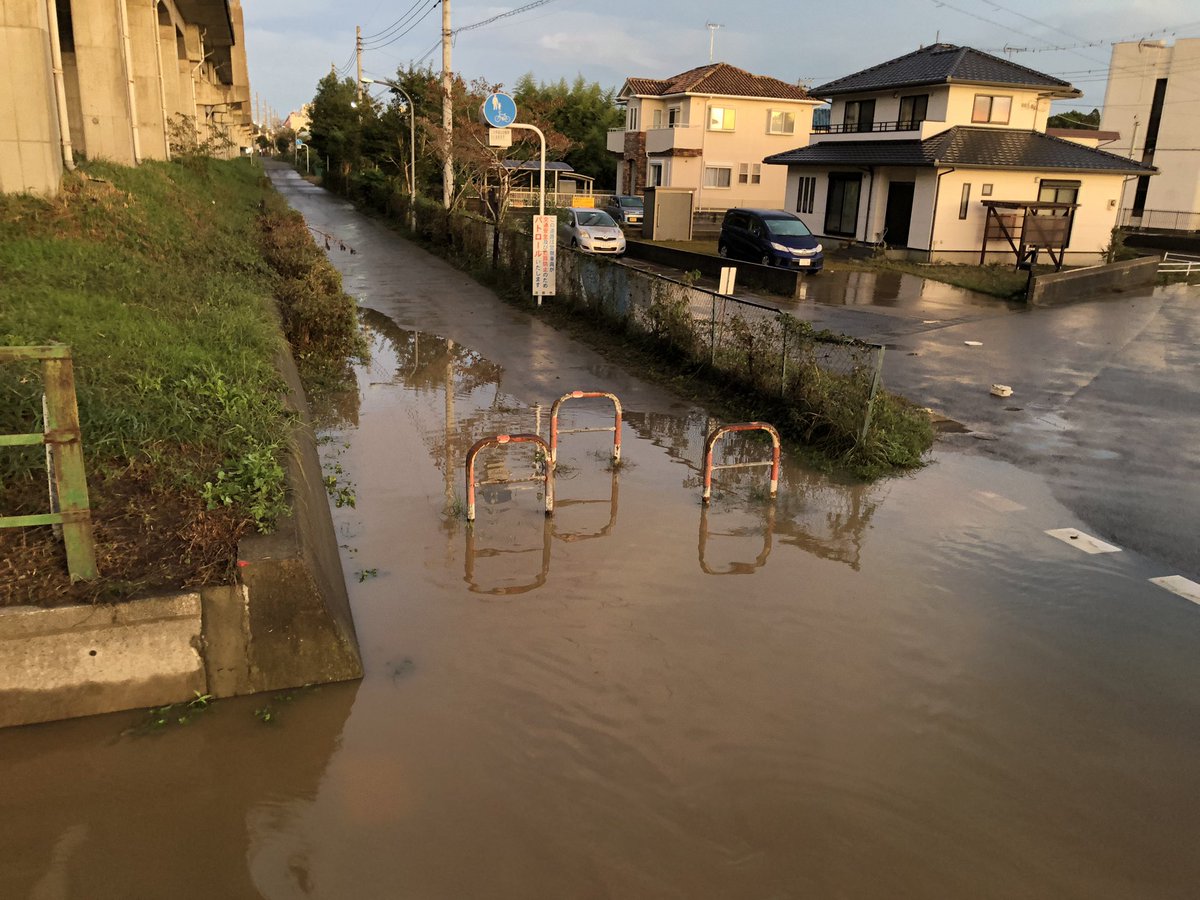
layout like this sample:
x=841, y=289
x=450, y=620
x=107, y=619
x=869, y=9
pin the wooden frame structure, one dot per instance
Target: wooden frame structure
x=1029, y=226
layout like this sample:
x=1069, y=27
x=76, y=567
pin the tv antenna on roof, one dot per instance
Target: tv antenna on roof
x=712, y=34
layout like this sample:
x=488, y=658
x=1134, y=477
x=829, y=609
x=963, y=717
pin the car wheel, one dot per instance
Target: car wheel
x=723, y=250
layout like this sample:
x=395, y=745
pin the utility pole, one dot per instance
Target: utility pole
x=447, y=109
x=712, y=34
x=358, y=55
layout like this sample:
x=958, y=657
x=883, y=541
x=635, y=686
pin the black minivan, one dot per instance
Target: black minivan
x=772, y=237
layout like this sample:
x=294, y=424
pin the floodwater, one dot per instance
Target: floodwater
x=901, y=690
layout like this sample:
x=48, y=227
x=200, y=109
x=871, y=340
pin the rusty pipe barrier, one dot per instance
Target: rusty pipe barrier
x=711, y=442
x=579, y=395
x=499, y=440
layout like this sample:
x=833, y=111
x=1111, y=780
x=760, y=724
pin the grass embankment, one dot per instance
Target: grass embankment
x=163, y=280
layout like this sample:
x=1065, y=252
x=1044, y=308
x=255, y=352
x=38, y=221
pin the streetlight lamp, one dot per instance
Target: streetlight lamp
x=412, y=146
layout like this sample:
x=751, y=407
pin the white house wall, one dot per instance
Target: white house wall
x=955, y=239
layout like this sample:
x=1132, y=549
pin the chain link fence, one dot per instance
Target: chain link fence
x=829, y=386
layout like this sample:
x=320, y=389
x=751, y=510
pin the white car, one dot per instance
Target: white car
x=592, y=231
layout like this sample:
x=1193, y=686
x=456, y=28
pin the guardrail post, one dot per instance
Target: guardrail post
x=711, y=442
x=876, y=381
x=579, y=395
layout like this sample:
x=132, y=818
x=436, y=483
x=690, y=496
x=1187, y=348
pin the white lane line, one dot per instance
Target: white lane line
x=1177, y=584
x=998, y=503
x=1084, y=542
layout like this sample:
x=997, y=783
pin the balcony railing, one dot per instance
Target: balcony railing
x=1160, y=220
x=869, y=127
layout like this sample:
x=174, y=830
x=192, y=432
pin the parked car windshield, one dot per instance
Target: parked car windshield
x=595, y=218
x=787, y=227
x=634, y=202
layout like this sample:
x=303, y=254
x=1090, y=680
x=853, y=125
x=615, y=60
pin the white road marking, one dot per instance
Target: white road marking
x=1084, y=542
x=1177, y=584
x=998, y=503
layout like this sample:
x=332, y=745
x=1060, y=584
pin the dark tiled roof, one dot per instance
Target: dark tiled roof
x=942, y=64
x=717, y=78
x=987, y=148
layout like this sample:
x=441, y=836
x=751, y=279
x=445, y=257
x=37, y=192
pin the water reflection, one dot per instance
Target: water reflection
x=474, y=553
x=812, y=512
x=613, y=499
x=735, y=568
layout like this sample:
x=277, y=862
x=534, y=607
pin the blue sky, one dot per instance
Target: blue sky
x=292, y=43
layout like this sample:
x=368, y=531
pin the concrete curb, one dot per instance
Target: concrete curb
x=287, y=623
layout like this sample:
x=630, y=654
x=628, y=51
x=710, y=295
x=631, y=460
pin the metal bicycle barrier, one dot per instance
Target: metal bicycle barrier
x=734, y=568
x=555, y=431
x=64, y=457
x=500, y=440
x=711, y=442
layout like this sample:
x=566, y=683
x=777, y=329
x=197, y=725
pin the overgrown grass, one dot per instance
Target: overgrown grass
x=161, y=281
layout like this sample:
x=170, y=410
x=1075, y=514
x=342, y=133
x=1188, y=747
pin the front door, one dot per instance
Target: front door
x=898, y=216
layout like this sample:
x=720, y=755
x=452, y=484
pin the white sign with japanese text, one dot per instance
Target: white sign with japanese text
x=545, y=247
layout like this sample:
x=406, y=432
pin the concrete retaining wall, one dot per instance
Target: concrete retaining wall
x=1063, y=287
x=750, y=275
x=286, y=624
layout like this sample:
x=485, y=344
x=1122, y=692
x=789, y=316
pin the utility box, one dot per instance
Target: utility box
x=668, y=214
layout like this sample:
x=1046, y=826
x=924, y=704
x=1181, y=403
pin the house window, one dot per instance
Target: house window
x=631, y=118
x=841, y=208
x=781, y=121
x=658, y=118
x=913, y=111
x=749, y=174
x=859, y=115
x=674, y=117
x=963, y=204
x=986, y=190
x=720, y=118
x=656, y=175
x=1058, y=192
x=805, y=194
x=991, y=109
x=718, y=176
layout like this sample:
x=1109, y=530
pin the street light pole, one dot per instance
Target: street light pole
x=412, y=145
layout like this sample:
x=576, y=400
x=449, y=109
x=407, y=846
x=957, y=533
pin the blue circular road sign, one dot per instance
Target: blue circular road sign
x=499, y=110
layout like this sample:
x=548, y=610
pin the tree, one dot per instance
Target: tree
x=583, y=112
x=285, y=140
x=1075, y=119
x=337, y=127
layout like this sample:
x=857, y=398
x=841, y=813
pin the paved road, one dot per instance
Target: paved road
x=1104, y=403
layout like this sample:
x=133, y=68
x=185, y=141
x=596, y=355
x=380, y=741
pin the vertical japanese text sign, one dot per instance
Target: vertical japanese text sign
x=544, y=261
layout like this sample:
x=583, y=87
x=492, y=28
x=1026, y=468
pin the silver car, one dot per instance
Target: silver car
x=592, y=231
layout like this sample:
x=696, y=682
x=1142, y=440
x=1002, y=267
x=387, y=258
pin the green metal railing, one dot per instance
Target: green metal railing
x=64, y=457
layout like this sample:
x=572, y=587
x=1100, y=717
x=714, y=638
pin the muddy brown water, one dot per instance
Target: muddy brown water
x=895, y=690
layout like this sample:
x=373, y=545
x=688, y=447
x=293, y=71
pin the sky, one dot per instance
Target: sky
x=291, y=44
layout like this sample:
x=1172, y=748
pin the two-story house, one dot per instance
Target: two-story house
x=708, y=129
x=932, y=152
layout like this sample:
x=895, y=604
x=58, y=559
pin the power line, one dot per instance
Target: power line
x=504, y=15
x=407, y=30
x=400, y=21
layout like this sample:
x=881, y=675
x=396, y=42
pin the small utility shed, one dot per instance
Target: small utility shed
x=915, y=144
